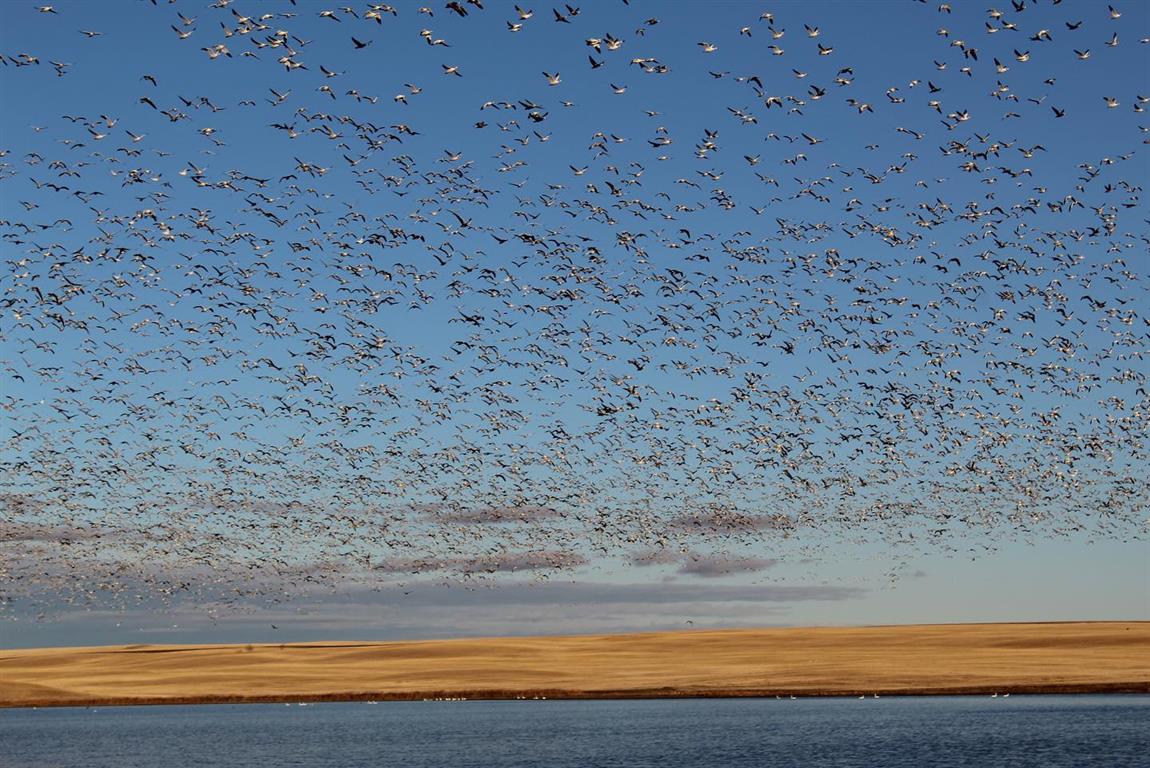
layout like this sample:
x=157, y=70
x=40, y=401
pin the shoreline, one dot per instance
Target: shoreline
x=1112, y=689
x=902, y=660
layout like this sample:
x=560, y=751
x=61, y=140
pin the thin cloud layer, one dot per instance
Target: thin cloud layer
x=714, y=566
x=428, y=609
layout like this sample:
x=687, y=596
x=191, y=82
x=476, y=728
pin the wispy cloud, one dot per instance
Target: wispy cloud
x=501, y=562
x=721, y=520
x=711, y=566
x=64, y=533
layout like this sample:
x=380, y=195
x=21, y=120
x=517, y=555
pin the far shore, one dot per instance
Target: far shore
x=942, y=659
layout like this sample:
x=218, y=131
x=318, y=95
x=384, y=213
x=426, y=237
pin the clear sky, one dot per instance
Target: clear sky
x=378, y=322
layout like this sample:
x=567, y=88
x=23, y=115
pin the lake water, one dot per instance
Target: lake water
x=1047, y=731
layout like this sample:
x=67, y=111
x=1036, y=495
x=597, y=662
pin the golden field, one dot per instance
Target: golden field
x=921, y=659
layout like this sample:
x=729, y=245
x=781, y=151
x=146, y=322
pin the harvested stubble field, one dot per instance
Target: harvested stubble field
x=926, y=659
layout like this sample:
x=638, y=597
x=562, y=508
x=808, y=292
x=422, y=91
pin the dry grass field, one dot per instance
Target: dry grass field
x=928, y=659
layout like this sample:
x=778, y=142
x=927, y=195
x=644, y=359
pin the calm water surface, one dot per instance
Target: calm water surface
x=1048, y=731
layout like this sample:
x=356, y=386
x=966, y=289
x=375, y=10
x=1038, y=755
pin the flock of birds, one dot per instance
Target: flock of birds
x=272, y=336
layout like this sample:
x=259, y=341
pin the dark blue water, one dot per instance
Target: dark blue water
x=1047, y=731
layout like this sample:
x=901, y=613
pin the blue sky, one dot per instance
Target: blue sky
x=687, y=321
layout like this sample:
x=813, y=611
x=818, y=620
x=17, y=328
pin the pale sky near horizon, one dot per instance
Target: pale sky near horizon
x=650, y=316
